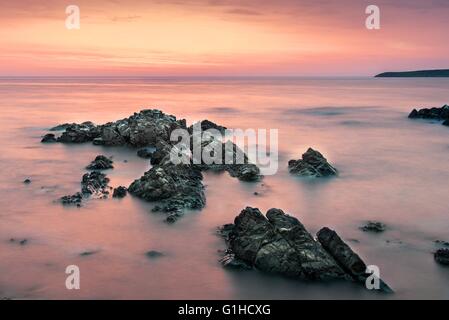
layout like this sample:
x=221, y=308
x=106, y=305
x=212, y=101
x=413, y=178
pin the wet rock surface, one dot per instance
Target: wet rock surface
x=279, y=243
x=100, y=163
x=373, y=226
x=442, y=256
x=93, y=184
x=312, y=164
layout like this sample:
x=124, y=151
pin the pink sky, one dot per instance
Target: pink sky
x=221, y=37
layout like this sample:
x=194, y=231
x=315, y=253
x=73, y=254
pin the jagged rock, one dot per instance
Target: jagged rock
x=119, y=192
x=49, y=138
x=442, y=256
x=178, y=187
x=145, y=153
x=279, y=243
x=100, y=163
x=312, y=164
x=346, y=258
x=139, y=130
x=74, y=199
x=373, y=226
x=94, y=183
x=431, y=113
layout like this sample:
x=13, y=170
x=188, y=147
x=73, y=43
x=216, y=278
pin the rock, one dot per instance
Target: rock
x=347, y=259
x=154, y=254
x=74, y=199
x=431, y=113
x=119, y=192
x=373, y=226
x=442, y=256
x=145, y=153
x=49, y=138
x=442, y=243
x=94, y=183
x=177, y=187
x=139, y=130
x=27, y=181
x=62, y=127
x=21, y=242
x=279, y=243
x=100, y=163
x=446, y=123
x=312, y=164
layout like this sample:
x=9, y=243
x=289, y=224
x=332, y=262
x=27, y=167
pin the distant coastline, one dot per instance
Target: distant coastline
x=439, y=73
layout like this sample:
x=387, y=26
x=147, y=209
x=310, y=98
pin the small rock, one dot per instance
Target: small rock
x=74, y=199
x=100, y=163
x=49, y=138
x=154, y=254
x=373, y=226
x=312, y=164
x=119, y=192
x=256, y=193
x=27, y=181
x=442, y=256
x=88, y=253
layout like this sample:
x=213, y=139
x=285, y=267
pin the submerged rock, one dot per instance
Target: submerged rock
x=152, y=254
x=74, y=199
x=49, y=138
x=431, y=113
x=312, y=164
x=374, y=226
x=442, y=256
x=27, y=181
x=119, y=192
x=100, y=163
x=279, y=243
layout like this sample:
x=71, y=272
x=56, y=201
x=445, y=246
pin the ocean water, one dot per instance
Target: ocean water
x=392, y=169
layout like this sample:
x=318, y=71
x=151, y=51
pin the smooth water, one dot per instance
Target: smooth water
x=392, y=169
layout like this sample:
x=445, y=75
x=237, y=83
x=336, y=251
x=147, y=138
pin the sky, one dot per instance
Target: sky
x=221, y=38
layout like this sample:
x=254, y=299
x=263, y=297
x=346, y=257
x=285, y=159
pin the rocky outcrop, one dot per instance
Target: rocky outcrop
x=312, y=164
x=432, y=113
x=139, y=130
x=442, y=256
x=373, y=226
x=279, y=243
x=100, y=163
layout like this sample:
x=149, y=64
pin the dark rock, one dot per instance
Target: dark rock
x=62, y=127
x=312, y=164
x=442, y=256
x=74, y=199
x=79, y=133
x=21, y=242
x=446, y=122
x=49, y=138
x=119, y=192
x=154, y=254
x=145, y=153
x=347, y=259
x=431, y=113
x=178, y=187
x=94, y=183
x=442, y=243
x=279, y=244
x=27, y=181
x=373, y=226
x=100, y=163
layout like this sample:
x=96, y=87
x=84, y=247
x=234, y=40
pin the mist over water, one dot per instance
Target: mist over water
x=392, y=169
